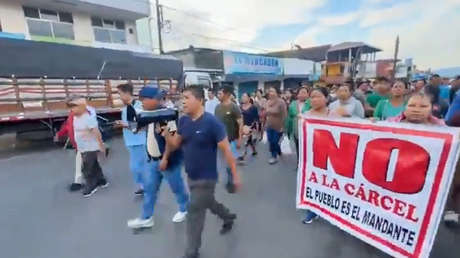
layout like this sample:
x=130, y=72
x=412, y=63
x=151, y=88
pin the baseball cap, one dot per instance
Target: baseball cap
x=151, y=93
x=76, y=100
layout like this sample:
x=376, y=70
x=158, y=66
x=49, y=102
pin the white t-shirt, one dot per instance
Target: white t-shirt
x=210, y=105
x=86, y=141
x=91, y=110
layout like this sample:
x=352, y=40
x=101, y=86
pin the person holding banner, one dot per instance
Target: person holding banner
x=418, y=111
x=318, y=101
x=276, y=113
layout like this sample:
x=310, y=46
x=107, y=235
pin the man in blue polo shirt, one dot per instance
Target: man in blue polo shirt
x=154, y=173
x=200, y=134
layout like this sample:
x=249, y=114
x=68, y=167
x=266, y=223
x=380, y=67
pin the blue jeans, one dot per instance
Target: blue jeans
x=235, y=155
x=274, y=138
x=310, y=215
x=152, y=181
x=137, y=161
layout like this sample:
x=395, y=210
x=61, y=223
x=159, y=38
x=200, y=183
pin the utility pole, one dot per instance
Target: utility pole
x=395, y=57
x=159, y=24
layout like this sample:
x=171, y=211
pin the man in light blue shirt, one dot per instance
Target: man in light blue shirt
x=135, y=142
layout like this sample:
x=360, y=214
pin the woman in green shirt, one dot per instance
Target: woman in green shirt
x=393, y=106
x=296, y=108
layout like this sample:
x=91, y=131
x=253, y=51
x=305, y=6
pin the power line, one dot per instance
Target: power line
x=239, y=43
x=197, y=17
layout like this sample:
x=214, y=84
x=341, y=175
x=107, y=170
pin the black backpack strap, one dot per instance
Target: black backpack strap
x=131, y=115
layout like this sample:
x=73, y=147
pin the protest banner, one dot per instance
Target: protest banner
x=384, y=183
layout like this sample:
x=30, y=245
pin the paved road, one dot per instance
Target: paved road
x=39, y=218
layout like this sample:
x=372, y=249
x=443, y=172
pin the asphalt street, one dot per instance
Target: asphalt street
x=40, y=218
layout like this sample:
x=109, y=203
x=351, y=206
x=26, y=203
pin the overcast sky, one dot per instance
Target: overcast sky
x=428, y=29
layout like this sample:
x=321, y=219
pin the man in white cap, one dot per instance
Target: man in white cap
x=89, y=141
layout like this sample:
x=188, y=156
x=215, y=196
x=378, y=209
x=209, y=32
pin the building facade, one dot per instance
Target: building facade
x=96, y=23
x=246, y=72
x=349, y=60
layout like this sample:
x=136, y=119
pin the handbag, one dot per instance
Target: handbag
x=286, y=146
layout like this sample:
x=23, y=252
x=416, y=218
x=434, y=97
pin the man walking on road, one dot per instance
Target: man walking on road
x=135, y=142
x=200, y=134
x=162, y=164
x=67, y=130
x=230, y=115
x=89, y=141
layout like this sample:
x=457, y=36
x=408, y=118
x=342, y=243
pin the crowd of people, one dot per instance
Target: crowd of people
x=221, y=125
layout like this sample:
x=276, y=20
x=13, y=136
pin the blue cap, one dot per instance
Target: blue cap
x=151, y=93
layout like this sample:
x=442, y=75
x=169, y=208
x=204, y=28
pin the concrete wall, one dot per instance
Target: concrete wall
x=137, y=6
x=82, y=28
x=13, y=21
x=294, y=66
x=131, y=39
x=143, y=33
x=12, y=17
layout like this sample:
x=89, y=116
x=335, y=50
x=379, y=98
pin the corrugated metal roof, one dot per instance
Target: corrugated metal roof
x=347, y=45
x=316, y=54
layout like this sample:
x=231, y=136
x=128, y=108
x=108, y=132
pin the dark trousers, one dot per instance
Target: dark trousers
x=91, y=170
x=274, y=138
x=454, y=194
x=251, y=142
x=201, y=198
x=296, y=141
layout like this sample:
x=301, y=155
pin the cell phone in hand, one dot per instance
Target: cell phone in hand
x=172, y=127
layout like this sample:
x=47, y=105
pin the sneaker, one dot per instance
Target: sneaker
x=227, y=227
x=310, y=217
x=231, y=217
x=272, y=161
x=230, y=188
x=139, y=192
x=141, y=223
x=75, y=187
x=103, y=183
x=179, y=217
x=90, y=191
x=195, y=255
x=451, y=219
x=228, y=223
x=241, y=158
x=254, y=153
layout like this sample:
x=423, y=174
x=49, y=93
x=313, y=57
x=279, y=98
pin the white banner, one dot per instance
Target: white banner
x=385, y=183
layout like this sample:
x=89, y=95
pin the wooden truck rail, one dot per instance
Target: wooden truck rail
x=31, y=99
x=35, y=108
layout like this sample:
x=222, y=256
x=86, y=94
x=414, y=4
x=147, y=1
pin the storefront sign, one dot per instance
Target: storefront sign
x=241, y=63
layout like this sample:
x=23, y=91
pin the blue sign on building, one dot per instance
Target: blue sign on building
x=12, y=35
x=242, y=63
